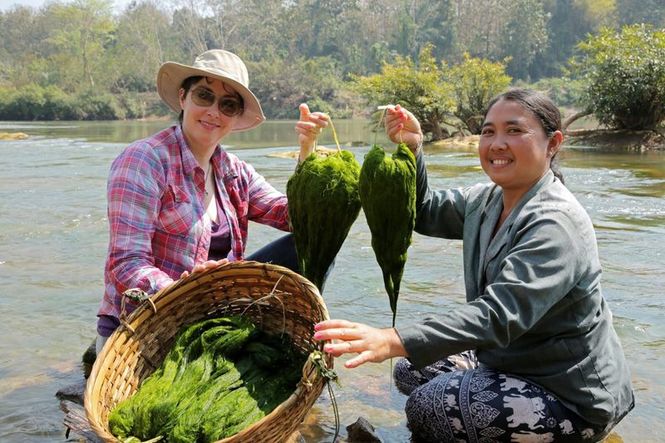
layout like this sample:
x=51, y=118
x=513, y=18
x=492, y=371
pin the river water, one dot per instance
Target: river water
x=53, y=239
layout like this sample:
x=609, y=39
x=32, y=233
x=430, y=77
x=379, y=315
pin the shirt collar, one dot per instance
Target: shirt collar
x=494, y=204
x=189, y=163
x=548, y=177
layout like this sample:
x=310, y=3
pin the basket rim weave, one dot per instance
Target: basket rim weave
x=275, y=426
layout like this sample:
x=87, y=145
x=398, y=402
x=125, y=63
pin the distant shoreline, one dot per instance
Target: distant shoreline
x=597, y=138
x=623, y=140
x=609, y=139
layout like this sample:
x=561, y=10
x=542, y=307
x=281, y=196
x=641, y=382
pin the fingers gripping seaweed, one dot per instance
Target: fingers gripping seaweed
x=388, y=196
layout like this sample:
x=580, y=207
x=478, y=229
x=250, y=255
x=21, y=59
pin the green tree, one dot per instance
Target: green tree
x=75, y=44
x=78, y=41
x=257, y=29
x=599, y=13
x=567, y=25
x=140, y=31
x=562, y=90
x=641, y=11
x=282, y=85
x=523, y=36
x=421, y=89
x=479, y=24
x=421, y=23
x=337, y=29
x=498, y=30
x=187, y=37
x=21, y=34
x=475, y=82
x=624, y=73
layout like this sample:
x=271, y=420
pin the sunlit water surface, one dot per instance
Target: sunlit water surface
x=53, y=239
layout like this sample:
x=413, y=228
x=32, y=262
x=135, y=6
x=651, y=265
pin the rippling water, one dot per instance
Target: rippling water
x=53, y=239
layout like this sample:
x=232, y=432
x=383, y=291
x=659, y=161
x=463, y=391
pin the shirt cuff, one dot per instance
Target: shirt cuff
x=418, y=347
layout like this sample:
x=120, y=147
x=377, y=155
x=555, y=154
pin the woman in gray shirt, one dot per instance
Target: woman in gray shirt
x=532, y=355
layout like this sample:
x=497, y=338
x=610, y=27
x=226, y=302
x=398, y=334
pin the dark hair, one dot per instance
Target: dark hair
x=187, y=85
x=543, y=108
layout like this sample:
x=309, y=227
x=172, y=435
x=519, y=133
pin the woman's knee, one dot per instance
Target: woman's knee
x=405, y=379
x=425, y=415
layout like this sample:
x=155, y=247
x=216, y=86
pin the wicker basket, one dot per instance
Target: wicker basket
x=140, y=344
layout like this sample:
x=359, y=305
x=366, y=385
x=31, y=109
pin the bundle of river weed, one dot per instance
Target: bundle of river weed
x=323, y=204
x=221, y=376
x=388, y=195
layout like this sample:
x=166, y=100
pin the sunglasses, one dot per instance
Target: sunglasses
x=228, y=105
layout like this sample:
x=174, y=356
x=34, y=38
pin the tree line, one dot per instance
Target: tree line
x=79, y=60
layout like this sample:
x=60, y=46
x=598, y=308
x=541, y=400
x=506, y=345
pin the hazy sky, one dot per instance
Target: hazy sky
x=6, y=4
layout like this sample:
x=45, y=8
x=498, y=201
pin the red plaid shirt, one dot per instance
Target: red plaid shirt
x=158, y=225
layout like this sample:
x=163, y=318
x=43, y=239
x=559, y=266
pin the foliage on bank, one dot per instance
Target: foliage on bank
x=440, y=96
x=420, y=88
x=624, y=76
x=298, y=50
x=475, y=81
x=34, y=102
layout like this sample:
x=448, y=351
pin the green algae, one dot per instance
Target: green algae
x=221, y=376
x=388, y=196
x=323, y=204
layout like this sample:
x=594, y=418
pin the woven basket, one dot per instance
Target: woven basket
x=140, y=344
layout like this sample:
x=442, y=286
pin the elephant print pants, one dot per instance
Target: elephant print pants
x=454, y=400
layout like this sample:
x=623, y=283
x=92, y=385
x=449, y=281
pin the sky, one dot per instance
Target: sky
x=6, y=4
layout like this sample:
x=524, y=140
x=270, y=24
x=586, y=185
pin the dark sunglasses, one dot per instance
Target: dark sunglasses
x=228, y=104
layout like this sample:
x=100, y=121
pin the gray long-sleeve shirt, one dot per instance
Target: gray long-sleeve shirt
x=534, y=301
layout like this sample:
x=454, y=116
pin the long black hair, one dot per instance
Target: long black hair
x=543, y=108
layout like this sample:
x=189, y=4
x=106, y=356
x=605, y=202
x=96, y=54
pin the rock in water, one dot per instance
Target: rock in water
x=362, y=431
x=72, y=393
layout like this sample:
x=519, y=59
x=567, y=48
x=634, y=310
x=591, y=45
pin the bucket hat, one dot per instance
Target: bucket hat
x=215, y=63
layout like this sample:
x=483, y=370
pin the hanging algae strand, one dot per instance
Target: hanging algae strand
x=388, y=196
x=323, y=204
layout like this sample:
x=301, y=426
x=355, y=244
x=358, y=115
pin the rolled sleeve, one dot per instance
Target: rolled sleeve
x=133, y=208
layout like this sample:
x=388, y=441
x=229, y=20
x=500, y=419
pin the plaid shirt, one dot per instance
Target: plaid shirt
x=158, y=225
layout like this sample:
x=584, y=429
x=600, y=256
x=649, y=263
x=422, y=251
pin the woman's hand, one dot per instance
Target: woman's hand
x=209, y=264
x=372, y=344
x=309, y=127
x=402, y=126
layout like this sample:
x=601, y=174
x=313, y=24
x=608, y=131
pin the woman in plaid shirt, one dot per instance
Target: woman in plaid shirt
x=177, y=201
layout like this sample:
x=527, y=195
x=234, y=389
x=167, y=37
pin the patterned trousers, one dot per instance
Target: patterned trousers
x=454, y=400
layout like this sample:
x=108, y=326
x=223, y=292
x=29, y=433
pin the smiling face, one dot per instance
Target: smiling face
x=514, y=150
x=205, y=126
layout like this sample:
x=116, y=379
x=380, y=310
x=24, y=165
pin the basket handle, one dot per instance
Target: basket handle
x=134, y=295
x=316, y=366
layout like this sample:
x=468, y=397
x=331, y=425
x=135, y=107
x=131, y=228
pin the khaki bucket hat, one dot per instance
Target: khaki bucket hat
x=214, y=63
